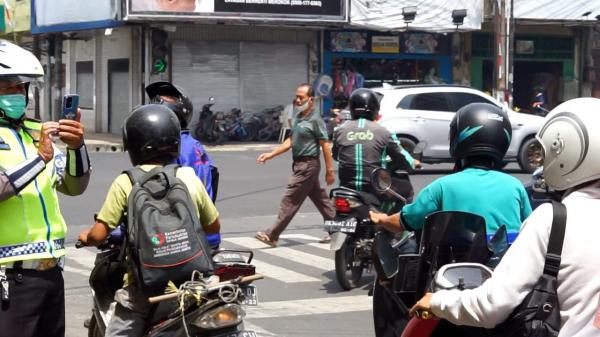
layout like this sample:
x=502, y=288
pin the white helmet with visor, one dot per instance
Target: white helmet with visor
x=17, y=67
x=570, y=139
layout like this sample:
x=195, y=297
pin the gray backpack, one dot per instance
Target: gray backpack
x=165, y=240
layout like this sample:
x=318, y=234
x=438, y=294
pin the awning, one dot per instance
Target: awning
x=432, y=16
x=557, y=10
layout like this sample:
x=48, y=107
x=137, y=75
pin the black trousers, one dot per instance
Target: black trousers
x=36, y=306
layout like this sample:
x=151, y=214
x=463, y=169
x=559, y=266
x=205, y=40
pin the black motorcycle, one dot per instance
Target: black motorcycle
x=202, y=307
x=351, y=230
x=407, y=265
x=210, y=127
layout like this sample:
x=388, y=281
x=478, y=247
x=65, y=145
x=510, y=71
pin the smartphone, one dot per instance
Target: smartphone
x=69, y=106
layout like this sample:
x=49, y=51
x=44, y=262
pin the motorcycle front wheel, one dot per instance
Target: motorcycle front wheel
x=94, y=328
x=348, y=266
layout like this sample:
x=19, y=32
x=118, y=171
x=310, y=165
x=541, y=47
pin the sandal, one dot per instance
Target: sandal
x=264, y=237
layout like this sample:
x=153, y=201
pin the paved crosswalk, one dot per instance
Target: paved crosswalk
x=300, y=262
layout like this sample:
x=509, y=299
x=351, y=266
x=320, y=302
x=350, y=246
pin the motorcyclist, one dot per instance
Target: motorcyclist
x=360, y=145
x=192, y=153
x=32, y=228
x=151, y=136
x=480, y=134
x=570, y=138
x=539, y=100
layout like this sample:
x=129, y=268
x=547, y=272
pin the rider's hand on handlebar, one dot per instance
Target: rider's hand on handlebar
x=423, y=305
x=83, y=237
x=418, y=164
x=377, y=218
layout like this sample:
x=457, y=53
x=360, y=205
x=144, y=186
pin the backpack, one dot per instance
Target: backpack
x=539, y=313
x=165, y=240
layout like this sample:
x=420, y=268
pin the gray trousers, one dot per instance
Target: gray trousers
x=130, y=318
x=303, y=183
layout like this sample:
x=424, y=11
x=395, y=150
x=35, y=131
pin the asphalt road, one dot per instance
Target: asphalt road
x=300, y=296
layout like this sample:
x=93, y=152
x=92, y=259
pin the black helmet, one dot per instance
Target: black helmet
x=480, y=129
x=152, y=131
x=183, y=106
x=364, y=104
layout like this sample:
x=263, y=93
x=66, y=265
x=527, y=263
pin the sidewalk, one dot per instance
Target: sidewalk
x=108, y=142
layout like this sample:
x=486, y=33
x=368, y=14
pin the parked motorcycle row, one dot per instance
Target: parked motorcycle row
x=219, y=127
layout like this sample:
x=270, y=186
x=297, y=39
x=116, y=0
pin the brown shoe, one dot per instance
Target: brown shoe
x=264, y=237
x=325, y=239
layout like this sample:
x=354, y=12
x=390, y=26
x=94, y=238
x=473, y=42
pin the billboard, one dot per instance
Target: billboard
x=49, y=16
x=256, y=10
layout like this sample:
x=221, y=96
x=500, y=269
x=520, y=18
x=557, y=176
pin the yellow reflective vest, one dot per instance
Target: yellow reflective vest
x=31, y=225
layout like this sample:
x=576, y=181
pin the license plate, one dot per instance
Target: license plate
x=241, y=334
x=250, y=297
x=345, y=226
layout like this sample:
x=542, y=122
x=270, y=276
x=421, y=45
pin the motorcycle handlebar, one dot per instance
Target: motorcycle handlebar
x=241, y=280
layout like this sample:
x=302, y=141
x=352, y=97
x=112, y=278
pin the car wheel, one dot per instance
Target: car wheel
x=408, y=144
x=530, y=155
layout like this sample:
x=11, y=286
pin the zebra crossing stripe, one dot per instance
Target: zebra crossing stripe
x=311, y=260
x=306, y=237
x=281, y=274
x=312, y=306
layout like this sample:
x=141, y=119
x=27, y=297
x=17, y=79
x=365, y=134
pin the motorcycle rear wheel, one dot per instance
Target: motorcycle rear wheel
x=348, y=275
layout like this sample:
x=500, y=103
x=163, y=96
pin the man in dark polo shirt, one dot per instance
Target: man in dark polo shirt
x=308, y=134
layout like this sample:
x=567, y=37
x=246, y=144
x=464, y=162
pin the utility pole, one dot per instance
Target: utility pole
x=500, y=30
x=510, y=52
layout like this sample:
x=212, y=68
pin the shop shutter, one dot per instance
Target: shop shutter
x=208, y=68
x=270, y=73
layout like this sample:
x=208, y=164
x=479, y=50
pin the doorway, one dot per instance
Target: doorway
x=118, y=94
x=528, y=75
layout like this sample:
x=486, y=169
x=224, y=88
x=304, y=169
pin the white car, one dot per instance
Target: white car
x=423, y=113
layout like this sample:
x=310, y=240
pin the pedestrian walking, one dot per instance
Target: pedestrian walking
x=308, y=134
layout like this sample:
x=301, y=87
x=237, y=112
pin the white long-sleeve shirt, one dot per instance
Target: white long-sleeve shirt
x=519, y=270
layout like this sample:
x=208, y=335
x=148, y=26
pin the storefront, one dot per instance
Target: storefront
x=250, y=68
x=369, y=59
x=247, y=55
x=543, y=63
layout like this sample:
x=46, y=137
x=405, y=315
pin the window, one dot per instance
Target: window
x=429, y=101
x=461, y=99
x=84, y=85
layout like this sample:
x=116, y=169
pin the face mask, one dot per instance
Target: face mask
x=301, y=108
x=13, y=106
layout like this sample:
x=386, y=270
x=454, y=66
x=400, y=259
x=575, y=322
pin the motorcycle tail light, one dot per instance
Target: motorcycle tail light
x=230, y=272
x=221, y=317
x=342, y=205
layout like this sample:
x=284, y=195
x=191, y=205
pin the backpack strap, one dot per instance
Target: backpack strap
x=555, y=243
x=135, y=174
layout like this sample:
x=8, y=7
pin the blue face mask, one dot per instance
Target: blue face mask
x=13, y=106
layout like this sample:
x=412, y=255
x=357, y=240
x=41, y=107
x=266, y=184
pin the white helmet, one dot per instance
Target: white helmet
x=570, y=138
x=18, y=65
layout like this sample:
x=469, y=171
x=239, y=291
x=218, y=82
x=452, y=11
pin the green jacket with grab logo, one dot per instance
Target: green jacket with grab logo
x=31, y=225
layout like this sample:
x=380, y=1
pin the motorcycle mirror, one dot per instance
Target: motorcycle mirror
x=381, y=180
x=211, y=100
x=420, y=147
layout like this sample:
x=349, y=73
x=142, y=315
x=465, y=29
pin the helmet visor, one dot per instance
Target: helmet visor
x=15, y=80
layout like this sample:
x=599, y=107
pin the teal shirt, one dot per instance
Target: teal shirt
x=306, y=133
x=498, y=197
